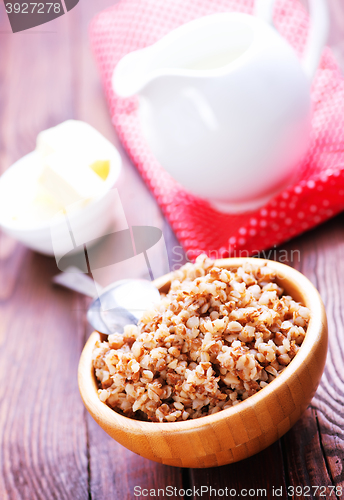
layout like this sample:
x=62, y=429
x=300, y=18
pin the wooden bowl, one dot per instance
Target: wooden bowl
x=242, y=430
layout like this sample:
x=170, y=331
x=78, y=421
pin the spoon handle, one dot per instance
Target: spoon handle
x=74, y=279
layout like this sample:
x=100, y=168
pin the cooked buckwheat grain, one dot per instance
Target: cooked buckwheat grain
x=215, y=339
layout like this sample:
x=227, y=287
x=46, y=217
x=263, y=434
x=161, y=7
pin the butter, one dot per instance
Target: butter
x=74, y=136
x=66, y=181
x=69, y=178
x=76, y=160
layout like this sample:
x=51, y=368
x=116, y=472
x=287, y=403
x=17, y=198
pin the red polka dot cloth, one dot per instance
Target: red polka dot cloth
x=318, y=193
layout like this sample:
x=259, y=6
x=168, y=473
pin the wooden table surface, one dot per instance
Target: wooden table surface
x=49, y=446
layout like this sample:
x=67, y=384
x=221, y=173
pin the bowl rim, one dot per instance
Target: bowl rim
x=115, y=171
x=315, y=330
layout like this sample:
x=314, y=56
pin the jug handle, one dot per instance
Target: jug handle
x=317, y=36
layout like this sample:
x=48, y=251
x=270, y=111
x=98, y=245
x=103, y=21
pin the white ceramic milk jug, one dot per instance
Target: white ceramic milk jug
x=225, y=103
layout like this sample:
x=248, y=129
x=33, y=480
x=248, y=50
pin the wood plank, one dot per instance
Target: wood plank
x=255, y=477
x=115, y=471
x=313, y=449
x=306, y=463
x=43, y=438
x=139, y=205
x=315, y=446
x=42, y=428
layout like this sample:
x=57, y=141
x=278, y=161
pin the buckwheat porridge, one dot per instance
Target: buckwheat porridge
x=215, y=339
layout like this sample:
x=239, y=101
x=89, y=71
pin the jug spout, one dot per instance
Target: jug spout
x=131, y=74
x=205, y=47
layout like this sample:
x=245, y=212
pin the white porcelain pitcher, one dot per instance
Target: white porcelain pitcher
x=225, y=103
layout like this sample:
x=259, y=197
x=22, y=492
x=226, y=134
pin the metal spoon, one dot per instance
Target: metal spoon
x=119, y=304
